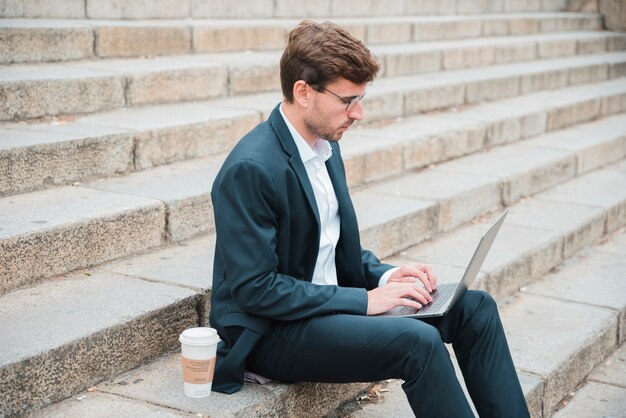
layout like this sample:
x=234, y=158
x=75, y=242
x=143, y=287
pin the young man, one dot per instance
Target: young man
x=294, y=294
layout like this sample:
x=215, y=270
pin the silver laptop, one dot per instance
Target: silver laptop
x=446, y=295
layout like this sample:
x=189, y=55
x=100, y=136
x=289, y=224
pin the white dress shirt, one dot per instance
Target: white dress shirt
x=314, y=160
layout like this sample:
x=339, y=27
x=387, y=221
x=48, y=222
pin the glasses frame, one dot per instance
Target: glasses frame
x=350, y=103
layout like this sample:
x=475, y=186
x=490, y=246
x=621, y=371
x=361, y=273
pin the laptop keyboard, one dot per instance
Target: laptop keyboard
x=440, y=297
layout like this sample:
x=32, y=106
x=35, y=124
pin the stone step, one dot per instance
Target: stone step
x=174, y=9
x=507, y=178
x=425, y=57
x=52, y=232
x=42, y=90
x=35, y=40
x=589, y=287
x=184, y=187
x=419, y=141
x=559, y=329
x=460, y=194
x=36, y=156
x=536, y=237
x=173, y=203
x=41, y=155
x=158, y=385
x=88, y=327
x=603, y=394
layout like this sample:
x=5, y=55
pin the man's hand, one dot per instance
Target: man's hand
x=412, y=273
x=394, y=294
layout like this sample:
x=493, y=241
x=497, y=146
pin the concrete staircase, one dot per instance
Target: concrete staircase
x=559, y=329
x=116, y=117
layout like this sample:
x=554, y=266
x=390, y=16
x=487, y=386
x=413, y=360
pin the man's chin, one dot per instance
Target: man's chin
x=334, y=138
x=339, y=134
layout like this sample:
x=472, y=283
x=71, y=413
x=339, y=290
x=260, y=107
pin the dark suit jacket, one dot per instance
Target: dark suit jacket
x=268, y=233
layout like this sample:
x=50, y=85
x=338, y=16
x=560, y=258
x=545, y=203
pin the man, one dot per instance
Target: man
x=295, y=297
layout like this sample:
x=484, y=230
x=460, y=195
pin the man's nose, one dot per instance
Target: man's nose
x=357, y=113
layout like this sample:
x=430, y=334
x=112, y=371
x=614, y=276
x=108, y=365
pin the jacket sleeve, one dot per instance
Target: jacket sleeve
x=373, y=269
x=246, y=209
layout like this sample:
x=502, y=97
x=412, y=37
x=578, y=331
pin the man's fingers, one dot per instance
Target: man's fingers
x=422, y=273
x=410, y=270
x=431, y=276
x=409, y=302
x=417, y=296
x=406, y=279
x=425, y=294
x=414, y=291
x=424, y=279
x=397, y=294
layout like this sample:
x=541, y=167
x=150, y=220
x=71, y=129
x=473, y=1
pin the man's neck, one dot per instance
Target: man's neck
x=292, y=113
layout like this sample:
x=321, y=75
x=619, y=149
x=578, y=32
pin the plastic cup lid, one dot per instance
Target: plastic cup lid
x=199, y=336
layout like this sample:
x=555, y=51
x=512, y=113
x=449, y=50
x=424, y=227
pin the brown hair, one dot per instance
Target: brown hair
x=319, y=53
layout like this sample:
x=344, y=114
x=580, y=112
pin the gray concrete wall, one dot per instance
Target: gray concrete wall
x=614, y=12
x=582, y=5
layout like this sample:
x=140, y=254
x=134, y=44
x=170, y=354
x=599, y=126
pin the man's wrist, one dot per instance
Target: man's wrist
x=383, y=279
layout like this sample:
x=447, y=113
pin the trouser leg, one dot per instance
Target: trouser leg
x=350, y=348
x=474, y=328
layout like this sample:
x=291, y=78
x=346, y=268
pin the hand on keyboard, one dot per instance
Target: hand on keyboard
x=412, y=273
x=394, y=294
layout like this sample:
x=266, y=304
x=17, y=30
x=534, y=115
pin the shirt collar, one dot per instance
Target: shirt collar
x=321, y=149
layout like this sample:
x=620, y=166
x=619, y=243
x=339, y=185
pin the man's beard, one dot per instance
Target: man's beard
x=318, y=127
x=323, y=132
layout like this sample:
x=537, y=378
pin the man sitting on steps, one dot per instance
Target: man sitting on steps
x=295, y=297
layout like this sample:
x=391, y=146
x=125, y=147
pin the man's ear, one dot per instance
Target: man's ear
x=302, y=93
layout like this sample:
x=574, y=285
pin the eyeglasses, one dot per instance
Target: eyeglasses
x=350, y=103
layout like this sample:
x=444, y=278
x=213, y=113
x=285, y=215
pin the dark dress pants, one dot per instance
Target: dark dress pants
x=351, y=348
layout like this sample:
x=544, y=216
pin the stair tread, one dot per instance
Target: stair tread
x=186, y=264
x=111, y=298
x=582, y=325
x=523, y=232
x=138, y=115
x=594, y=400
x=60, y=22
x=48, y=209
x=159, y=383
x=68, y=228
x=181, y=113
x=114, y=66
x=76, y=148
x=157, y=9
x=187, y=180
x=533, y=232
x=581, y=330
x=185, y=186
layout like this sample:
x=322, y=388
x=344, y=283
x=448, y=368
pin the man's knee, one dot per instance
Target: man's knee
x=423, y=336
x=478, y=300
x=487, y=302
x=481, y=309
x=422, y=345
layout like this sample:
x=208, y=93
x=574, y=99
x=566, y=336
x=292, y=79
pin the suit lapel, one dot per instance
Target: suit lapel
x=298, y=167
x=290, y=148
x=348, y=251
x=346, y=210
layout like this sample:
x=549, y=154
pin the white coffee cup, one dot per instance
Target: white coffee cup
x=198, y=347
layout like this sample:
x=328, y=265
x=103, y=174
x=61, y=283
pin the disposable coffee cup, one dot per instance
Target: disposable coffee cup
x=198, y=348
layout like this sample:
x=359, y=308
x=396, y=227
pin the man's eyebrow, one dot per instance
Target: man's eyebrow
x=354, y=96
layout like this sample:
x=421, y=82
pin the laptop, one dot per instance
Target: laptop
x=447, y=294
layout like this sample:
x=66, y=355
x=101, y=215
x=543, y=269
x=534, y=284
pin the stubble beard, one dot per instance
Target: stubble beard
x=320, y=128
x=322, y=132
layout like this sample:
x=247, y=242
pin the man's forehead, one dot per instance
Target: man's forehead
x=347, y=86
